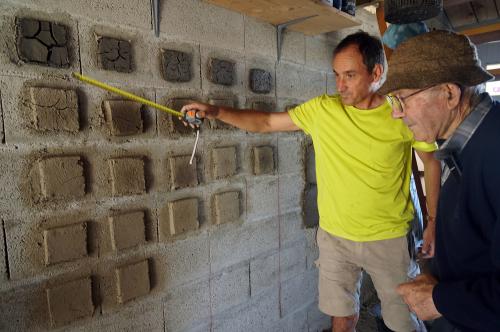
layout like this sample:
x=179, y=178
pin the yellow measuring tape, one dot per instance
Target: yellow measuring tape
x=126, y=94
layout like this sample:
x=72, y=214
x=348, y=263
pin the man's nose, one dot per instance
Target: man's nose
x=340, y=85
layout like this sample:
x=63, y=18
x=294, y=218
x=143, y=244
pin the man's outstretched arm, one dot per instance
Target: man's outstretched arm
x=432, y=178
x=249, y=120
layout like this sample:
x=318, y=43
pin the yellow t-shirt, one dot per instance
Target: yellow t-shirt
x=363, y=168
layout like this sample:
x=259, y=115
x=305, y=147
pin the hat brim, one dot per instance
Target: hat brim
x=413, y=78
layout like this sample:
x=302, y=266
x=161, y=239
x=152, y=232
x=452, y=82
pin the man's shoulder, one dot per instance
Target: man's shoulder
x=325, y=101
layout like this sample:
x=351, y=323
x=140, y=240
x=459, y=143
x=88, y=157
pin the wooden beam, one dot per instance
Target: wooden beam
x=485, y=37
x=382, y=27
x=481, y=29
x=451, y=3
x=364, y=3
x=495, y=72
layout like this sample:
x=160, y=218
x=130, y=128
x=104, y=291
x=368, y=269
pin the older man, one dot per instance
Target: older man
x=435, y=80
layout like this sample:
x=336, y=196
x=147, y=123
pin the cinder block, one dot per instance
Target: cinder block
x=221, y=72
x=176, y=66
x=42, y=42
x=127, y=176
x=184, y=260
x=187, y=306
x=290, y=154
x=226, y=207
x=293, y=260
x=115, y=54
x=294, y=322
x=230, y=288
x=294, y=47
x=264, y=237
x=54, y=109
x=263, y=158
x=216, y=124
x=262, y=198
x=299, y=292
x=291, y=189
x=132, y=281
x=260, y=38
x=294, y=80
x=319, y=53
x=127, y=230
x=182, y=174
x=291, y=227
x=62, y=177
x=263, y=106
x=123, y=117
x=183, y=216
x=189, y=19
x=224, y=162
x=311, y=214
x=260, y=313
x=234, y=239
x=66, y=243
x=260, y=81
x=264, y=273
x=70, y=301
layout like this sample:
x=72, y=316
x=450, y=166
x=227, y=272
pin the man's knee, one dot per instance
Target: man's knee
x=345, y=324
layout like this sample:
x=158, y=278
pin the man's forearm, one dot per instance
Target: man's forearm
x=249, y=120
x=432, y=179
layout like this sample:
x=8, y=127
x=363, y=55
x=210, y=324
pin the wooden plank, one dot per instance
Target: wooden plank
x=485, y=37
x=495, y=72
x=451, y=3
x=282, y=11
x=382, y=27
x=461, y=15
x=365, y=3
x=481, y=29
x=485, y=10
x=324, y=23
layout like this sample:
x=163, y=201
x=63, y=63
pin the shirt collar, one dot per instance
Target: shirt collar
x=461, y=136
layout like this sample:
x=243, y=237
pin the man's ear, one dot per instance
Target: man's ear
x=453, y=94
x=377, y=73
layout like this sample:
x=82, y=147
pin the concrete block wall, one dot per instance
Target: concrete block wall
x=104, y=223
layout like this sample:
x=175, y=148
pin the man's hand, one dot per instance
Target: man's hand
x=418, y=295
x=429, y=239
x=202, y=111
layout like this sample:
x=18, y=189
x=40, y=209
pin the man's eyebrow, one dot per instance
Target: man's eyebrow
x=346, y=72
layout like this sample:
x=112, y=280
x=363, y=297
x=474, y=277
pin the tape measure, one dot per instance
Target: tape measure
x=190, y=117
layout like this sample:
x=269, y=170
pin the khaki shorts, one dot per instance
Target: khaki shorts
x=340, y=265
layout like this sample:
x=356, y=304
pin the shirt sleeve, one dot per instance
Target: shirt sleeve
x=304, y=115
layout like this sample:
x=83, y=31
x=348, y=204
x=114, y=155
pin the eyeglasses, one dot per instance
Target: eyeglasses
x=398, y=102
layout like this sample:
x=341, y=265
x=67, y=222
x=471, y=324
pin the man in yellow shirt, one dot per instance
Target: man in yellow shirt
x=363, y=169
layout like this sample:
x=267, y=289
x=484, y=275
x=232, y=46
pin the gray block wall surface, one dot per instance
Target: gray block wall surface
x=105, y=226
